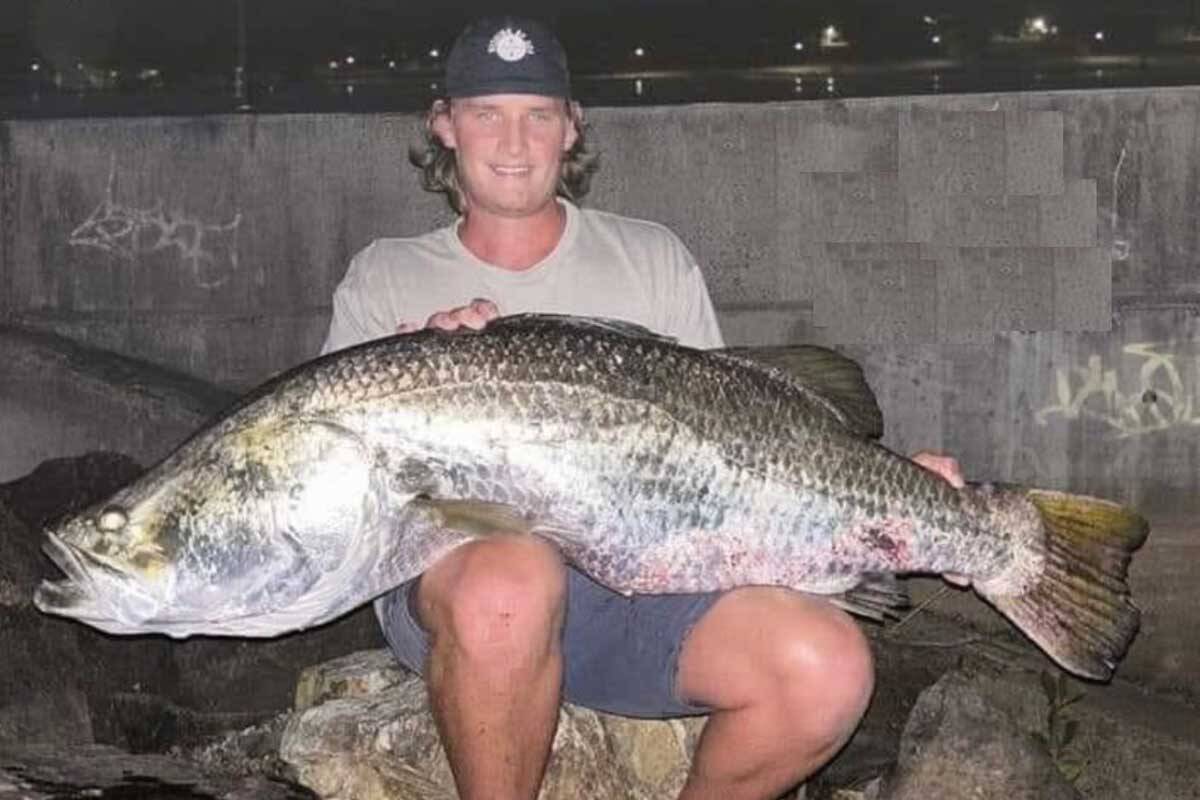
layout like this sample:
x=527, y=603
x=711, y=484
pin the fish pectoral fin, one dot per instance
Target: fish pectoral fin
x=475, y=518
x=829, y=378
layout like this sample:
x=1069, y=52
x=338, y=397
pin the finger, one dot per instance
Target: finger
x=442, y=320
x=944, y=466
x=485, y=308
x=468, y=317
x=956, y=579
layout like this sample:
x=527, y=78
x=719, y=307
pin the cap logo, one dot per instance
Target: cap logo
x=510, y=45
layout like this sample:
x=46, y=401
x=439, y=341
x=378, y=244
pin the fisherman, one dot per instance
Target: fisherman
x=501, y=629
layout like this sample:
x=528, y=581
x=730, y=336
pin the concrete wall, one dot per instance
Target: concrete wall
x=1017, y=272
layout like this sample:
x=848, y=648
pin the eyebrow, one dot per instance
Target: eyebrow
x=479, y=105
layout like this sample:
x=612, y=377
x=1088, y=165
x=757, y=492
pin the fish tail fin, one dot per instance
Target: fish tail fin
x=1078, y=607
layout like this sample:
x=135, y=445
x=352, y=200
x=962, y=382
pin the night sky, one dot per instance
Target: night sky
x=200, y=35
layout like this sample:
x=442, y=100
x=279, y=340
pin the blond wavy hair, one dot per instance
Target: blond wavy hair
x=439, y=169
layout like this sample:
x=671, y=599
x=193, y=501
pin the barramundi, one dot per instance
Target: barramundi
x=653, y=467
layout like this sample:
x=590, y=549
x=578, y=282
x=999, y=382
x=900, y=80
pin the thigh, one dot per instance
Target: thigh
x=620, y=654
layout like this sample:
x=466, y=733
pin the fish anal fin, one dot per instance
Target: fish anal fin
x=831, y=379
x=878, y=597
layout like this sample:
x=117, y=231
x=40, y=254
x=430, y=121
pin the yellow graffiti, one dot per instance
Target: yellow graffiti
x=1160, y=400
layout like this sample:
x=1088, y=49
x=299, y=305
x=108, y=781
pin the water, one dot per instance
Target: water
x=414, y=93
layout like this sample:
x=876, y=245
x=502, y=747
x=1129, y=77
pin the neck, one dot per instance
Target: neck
x=514, y=243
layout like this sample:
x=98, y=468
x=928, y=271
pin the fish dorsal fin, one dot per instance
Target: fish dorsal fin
x=605, y=324
x=830, y=378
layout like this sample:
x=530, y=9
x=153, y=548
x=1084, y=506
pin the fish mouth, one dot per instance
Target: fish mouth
x=95, y=590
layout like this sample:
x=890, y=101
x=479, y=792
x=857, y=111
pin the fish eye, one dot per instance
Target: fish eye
x=112, y=519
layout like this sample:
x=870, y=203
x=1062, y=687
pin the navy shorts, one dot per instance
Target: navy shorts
x=620, y=654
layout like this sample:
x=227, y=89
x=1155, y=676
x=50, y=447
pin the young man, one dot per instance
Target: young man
x=502, y=629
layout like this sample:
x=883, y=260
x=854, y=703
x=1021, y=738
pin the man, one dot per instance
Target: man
x=501, y=629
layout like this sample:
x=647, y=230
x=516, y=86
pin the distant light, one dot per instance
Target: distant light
x=391, y=65
x=349, y=88
x=832, y=37
x=830, y=87
x=435, y=53
x=1038, y=25
x=929, y=20
x=1098, y=36
x=333, y=65
x=35, y=66
x=936, y=39
x=639, y=51
x=637, y=87
x=798, y=46
x=349, y=61
x=433, y=87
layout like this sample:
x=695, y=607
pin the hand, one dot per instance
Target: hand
x=474, y=315
x=948, y=468
x=945, y=466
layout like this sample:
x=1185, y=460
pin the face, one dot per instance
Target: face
x=509, y=149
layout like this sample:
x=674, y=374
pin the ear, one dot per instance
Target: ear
x=440, y=124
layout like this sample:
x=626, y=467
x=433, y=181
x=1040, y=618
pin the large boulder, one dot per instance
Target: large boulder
x=362, y=730
x=957, y=745
x=62, y=398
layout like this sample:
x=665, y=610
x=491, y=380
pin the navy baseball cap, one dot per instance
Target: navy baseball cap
x=507, y=55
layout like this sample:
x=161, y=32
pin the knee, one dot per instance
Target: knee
x=826, y=676
x=494, y=595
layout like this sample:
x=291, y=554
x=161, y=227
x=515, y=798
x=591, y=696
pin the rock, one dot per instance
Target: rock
x=59, y=397
x=61, y=485
x=958, y=745
x=359, y=744
x=38, y=772
x=62, y=716
x=360, y=674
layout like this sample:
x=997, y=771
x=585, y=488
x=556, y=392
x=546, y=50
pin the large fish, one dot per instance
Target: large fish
x=655, y=468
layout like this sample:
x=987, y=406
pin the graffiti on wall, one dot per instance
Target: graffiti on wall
x=208, y=250
x=1162, y=396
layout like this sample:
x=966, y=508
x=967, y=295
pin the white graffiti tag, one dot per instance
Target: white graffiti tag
x=129, y=232
x=1161, y=398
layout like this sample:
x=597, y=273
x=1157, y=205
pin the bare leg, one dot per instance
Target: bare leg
x=789, y=676
x=494, y=609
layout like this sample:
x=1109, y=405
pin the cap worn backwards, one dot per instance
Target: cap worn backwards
x=507, y=55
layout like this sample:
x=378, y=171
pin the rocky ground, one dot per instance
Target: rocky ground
x=958, y=713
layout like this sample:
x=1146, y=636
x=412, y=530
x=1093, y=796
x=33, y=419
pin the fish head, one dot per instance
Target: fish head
x=216, y=538
x=119, y=574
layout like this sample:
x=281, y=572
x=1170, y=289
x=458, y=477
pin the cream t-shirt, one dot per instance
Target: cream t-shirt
x=604, y=265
